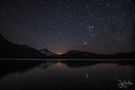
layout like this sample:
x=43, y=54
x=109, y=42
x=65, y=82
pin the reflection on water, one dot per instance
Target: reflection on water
x=51, y=75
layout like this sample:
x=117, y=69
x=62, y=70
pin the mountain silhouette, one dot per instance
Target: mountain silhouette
x=47, y=52
x=76, y=54
x=10, y=50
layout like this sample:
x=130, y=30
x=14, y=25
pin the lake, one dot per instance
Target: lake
x=67, y=75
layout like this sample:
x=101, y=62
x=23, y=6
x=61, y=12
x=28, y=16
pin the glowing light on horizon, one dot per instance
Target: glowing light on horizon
x=59, y=53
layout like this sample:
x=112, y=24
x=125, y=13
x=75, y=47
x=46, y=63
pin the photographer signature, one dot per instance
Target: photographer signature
x=124, y=84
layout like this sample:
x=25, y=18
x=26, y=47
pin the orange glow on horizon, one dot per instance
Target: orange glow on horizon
x=60, y=52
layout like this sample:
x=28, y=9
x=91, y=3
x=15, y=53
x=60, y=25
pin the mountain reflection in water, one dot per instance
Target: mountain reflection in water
x=70, y=75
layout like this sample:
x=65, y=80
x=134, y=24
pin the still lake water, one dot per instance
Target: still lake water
x=66, y=75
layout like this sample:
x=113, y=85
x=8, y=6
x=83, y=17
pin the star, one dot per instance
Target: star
x=87, y=6
x=67, y=7
x=90, y=28
x=81, y=23
x=85, y=43
x=41, y=2
x=13, y=8
x=107, y=4
x=87, y=75
x=120, y=39
x=33, y=33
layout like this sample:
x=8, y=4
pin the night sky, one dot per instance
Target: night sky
x=100, y=26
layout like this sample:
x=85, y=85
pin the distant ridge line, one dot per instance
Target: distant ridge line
x=25, y=59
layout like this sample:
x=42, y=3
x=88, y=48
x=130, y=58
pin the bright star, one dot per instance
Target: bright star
x=87, y=75
x=85, y=43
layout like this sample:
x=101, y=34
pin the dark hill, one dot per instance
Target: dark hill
x=76, y=54
x=10, y=50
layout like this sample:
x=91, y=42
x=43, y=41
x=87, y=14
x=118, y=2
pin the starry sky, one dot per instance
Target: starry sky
x=99, y=26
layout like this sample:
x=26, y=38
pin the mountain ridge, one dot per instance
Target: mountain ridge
x=11, y=50
x=47, y=52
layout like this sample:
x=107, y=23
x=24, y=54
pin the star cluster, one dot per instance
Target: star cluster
x=100, y=26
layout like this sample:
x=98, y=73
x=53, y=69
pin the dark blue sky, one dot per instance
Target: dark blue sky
x=100, y=26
